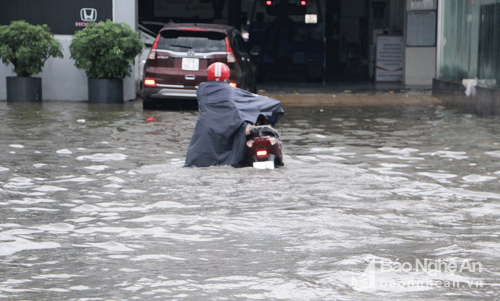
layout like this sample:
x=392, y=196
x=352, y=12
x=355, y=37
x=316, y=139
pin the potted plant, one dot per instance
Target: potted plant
x=26, y=47
x=105, y=50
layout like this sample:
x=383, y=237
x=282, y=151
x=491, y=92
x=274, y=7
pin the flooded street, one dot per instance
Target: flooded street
x=372, y=204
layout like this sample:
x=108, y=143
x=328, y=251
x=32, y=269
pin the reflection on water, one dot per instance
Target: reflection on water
x=378, y=204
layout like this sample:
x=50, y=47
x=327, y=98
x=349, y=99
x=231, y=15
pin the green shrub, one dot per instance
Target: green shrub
x=27, y=47
x=105, y=50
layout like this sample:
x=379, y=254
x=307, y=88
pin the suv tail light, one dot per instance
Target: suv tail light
x=152, y=52
x=230, y=54
x=149, y=82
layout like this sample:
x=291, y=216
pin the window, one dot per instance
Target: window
x=471, y=41
x=239, y=43
x=198, y=41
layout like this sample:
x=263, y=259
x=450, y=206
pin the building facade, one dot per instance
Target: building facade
x=442, y=42
x=468, y=55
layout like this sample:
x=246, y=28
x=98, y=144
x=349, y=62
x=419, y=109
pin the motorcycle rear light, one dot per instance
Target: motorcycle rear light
x=269, y=2
x=230, y=54
x=303, y=2
x=250, y=143
x=234, y=85
x=149, y=82
x=261, y=153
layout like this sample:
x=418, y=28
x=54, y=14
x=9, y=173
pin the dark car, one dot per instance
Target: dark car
x=181, y=54
x=287, y=36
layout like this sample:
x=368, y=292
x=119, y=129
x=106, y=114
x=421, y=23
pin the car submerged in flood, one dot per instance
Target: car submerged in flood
x=178, y=61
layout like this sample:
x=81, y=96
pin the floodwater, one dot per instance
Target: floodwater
x=372, y=204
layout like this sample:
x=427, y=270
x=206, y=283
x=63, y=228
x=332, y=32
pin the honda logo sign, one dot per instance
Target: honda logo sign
x=88, y=14
x=62, y=16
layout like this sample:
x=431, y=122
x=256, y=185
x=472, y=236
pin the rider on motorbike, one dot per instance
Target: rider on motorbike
x=226, y=115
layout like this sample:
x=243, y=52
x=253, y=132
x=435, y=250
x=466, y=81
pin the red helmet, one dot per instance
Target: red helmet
x=218, y=72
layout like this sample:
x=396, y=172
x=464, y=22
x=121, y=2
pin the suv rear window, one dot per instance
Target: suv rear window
x=186, y=40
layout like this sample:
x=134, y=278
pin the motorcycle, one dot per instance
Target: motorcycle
x=263, y=146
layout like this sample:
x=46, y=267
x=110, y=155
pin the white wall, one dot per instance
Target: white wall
x=61, y=80
x=126, y=11
x=420, y=65
x=420, y=62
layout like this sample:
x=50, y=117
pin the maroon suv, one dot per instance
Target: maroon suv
x=181, y=54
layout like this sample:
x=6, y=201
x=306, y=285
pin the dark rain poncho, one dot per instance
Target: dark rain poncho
x=224, y=112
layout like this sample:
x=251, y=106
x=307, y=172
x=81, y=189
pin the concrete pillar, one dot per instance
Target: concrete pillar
x=420, y=62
